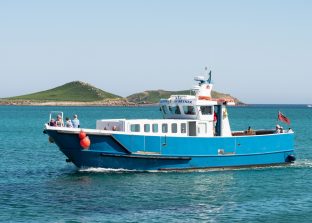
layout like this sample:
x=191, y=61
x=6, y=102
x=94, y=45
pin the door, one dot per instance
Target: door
x=192, y=128
x=201, y=129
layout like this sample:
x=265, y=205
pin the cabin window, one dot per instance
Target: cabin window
x=170, y=109
x=135, y=127
x=189, y=110
x=155, y=128
x=164, y=109
x=164, y=128
x=177, y=110
x=206, y=110
x=147, y=128
x=174, y=128
x=183, y=127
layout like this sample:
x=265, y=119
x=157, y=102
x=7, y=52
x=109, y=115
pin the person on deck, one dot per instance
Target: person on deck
x=278, y=129
x=52, y=122
x=75, y=122
x=59, y=121
x=250, y=131
x=68, y=123
x=215, y=117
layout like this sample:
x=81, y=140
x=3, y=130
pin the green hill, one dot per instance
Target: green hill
x=147, y=97
x=75, y=91
x=153, y=96
x=85, y=94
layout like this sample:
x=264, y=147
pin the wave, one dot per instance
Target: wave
x=304, y=163
x=104, y=170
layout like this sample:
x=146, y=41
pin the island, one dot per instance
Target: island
x=78, y=93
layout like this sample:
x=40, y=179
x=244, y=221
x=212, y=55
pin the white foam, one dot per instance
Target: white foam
x=305, y=163
x=103, y=170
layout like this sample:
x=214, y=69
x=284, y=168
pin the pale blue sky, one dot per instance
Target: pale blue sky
x=259, y=51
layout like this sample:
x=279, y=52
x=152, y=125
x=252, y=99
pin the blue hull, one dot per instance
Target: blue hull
x=137, y=152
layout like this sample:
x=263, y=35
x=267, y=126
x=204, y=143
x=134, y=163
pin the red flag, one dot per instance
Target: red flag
x=283, y=118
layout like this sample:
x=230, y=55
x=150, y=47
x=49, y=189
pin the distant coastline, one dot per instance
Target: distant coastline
x=78, y=93
x=124, y=103
x=119, y=102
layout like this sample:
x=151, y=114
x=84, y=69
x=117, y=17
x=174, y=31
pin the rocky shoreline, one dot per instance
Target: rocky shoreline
x=117, y=102
x=122, y=102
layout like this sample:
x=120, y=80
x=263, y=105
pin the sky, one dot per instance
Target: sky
x=258, y=51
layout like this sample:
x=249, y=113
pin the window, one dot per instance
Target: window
x=155, y=128
x=174, y=128
x=189, y=110
x=164, y=109
x=206, y=110
x=164, y=128
x=147, y=128
x=177, y=110
x=170, y=109
x=135, y=127
x=183, y=127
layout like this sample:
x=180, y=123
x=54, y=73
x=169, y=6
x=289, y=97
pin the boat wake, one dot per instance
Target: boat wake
x=111, y=170
x=298, y=164
x=104, y=170
x=304, y=163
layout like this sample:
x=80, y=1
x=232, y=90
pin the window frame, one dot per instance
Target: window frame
x=174, y=129
x=145, y=129
x=207, y=106
x=133, y=127
x=186, y=109
x=155, y=127
x=164, y=127
x=183, y=128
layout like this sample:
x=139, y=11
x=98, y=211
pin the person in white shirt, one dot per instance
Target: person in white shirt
x=290, y=130
x=75, y=122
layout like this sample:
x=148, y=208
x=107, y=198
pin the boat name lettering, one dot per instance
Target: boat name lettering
x=183, y=101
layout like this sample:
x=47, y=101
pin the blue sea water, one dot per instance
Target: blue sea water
x=37, y=185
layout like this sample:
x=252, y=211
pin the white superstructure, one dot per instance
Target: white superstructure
x=184, y=115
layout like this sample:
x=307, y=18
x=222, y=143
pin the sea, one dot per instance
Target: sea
x=37, y=185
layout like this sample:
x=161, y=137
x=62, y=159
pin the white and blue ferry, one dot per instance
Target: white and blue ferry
x=194, y=133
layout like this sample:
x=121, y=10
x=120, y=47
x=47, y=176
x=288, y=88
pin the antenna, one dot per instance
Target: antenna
x=208, y=75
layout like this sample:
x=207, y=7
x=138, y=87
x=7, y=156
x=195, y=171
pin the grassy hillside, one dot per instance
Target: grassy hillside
x=74, y=91
x=78, y=91
x=155, y=96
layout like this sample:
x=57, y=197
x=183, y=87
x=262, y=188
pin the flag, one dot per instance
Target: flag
x=283, y=118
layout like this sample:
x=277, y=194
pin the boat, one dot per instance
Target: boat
x=194, y=133
x=309, y=106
